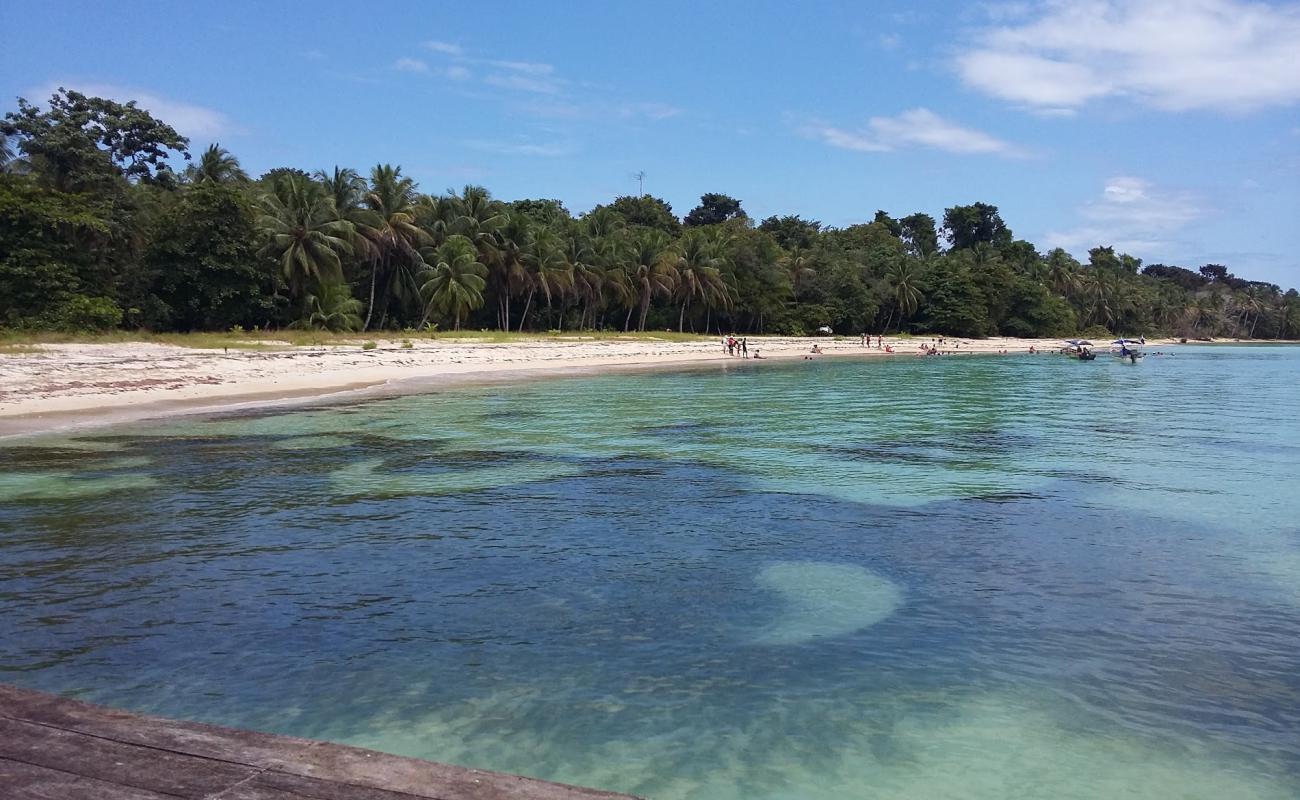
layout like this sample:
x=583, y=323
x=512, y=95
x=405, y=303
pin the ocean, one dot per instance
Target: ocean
x=969, y=577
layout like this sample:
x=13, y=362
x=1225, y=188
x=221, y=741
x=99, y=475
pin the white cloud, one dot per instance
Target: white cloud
x=652, y=111
x=526, y=67
x=446, y=48
x=521, y=148
x=192, y=121
x=457, y=73
x=1132, y=215
x=1175, y=55
x=524, y=83
x=918, y=127
x=410, y=65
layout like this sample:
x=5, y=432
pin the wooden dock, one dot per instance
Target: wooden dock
x=54, y=748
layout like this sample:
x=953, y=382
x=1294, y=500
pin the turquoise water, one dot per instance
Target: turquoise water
x=1016, y=577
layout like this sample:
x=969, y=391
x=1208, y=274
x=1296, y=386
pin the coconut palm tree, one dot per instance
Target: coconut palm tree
x=303, y=233
x=652, y=269
x=216, y=165
x=1062, y=273
x=475, y=215
x=348, y=190
x=798, y=264
x=455, y=280
x=903, y=280
x=699, y=271
x=582, y=263
x=548, y=269
x=396, y=237
x=333, y=308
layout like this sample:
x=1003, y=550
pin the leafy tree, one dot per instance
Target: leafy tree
x=967, y=226
x=714, y=209
x=919, y=234
x=550, y=213
x=890, y=224
x=791, y=232
x=42, y=266
x=81, y=142
x=205, y=267
x=647, y=212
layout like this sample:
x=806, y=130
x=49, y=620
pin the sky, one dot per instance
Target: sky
x=1169, y=129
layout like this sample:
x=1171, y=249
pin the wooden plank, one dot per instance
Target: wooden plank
x=146, y=768
x=194, y=738
x=280, y=786
x=368, y=768
x=19, y=781
x=179, y=758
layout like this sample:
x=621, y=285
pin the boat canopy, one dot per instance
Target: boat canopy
x=1078, y=342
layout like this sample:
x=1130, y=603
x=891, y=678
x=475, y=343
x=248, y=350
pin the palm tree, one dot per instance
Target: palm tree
x=455, y=281
x=510, y=244
x=548, y=269
x=799, y=264
x=1062, y=273
x=216, y=165
x=475, y=215
x=699, y=271
x=332, y=309
x=302, y=232
x=903, y=279
x=348, y=190
x=396, y=238
x=652, y=269
x=587, y=276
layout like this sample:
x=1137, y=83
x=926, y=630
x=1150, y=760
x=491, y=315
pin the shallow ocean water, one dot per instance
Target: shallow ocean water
x=919, y=578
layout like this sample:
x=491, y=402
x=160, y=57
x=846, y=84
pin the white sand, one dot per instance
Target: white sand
x=54, y=386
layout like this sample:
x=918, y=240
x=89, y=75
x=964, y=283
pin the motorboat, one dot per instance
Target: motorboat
x=1079, y=349
x=1129, y=349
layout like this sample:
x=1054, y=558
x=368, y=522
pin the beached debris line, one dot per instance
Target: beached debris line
x=53, y=747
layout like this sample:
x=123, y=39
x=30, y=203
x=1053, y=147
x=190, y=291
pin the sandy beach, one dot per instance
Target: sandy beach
x=52, y=386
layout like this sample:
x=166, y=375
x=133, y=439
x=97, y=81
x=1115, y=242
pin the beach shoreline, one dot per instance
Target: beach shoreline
x=46, y=388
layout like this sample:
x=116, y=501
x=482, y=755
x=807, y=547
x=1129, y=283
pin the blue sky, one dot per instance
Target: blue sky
x=1170, y=129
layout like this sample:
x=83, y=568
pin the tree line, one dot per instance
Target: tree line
x=98, y=230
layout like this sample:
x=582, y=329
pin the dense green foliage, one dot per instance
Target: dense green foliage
x=97, y=231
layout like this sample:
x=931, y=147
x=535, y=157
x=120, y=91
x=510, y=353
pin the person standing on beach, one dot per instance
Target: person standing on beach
x=744, y=347
x=864, y=339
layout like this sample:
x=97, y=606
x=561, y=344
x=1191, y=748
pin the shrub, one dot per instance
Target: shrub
x=369, y=346
x=81, y=314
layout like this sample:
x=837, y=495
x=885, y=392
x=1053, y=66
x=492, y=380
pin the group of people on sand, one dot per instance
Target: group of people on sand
x=880, y=341
x=935, y=345
x=738, y=347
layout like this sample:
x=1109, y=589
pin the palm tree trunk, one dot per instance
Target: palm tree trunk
x=645, y=308
x=627, y=321
x=374, y=273
x=527, y=305
x=680, y=316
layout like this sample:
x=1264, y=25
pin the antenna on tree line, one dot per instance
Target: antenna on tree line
x=640, y=182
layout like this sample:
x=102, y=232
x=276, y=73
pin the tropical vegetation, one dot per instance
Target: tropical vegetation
x=99, y=230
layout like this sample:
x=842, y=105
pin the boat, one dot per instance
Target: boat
x=1129, y=349
x=1079, y=349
